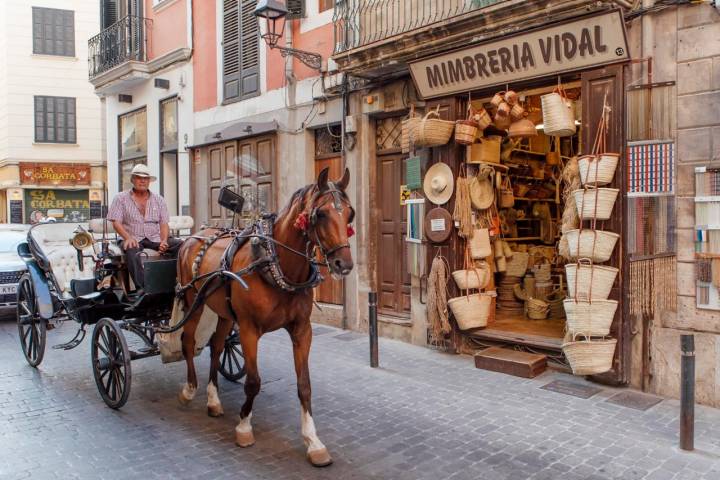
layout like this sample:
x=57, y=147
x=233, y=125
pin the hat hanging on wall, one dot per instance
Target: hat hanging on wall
x=482, y=190
x=438, y=225
x=438, y=184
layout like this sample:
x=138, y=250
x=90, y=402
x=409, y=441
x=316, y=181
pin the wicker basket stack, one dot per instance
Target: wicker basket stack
x=506, y=300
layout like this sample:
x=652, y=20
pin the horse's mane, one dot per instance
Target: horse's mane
x=299, y=195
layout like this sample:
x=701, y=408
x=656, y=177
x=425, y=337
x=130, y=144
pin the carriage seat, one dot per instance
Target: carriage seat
x=53, y=239
x=179, y=224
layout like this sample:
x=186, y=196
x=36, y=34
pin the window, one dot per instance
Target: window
x=168, y=125
x=241, y=44
x=296, y=9
x=326, y=5
x=132, y=144
x=55, y=120
x=53, y=32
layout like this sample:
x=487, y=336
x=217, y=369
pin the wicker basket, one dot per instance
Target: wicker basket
x=602, y=278
x=465, y=131
x=471, y=311
x=536, y=309
x=604, y=244
x=472, y=279
x=585, y=201
x=483, y=119
x=598, y=169
x=558, y=116
x=590, y=319
x=590, y=357
x=433, y=132
x=480, y=247
x=486, y=151
x=517, y=265
x=409, y=127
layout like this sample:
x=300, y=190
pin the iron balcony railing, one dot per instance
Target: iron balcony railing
x=124, y=40
x=362, y=22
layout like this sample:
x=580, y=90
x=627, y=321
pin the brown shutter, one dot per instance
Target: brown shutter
x=249, y=50
x=596, y=85
x=296, y=9
x=231, y=50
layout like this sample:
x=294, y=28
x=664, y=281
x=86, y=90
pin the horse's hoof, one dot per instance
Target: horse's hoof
x=244, y=439
x=215, y=411
x=184, y=401
x=319, y=458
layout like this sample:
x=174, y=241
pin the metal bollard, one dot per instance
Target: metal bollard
x=687, y=392
x=373, y=329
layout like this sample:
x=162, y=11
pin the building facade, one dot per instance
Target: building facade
x=52, y=162
x=140, y=66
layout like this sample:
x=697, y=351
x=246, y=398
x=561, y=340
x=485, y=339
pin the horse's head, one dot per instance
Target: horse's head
x=326, y=220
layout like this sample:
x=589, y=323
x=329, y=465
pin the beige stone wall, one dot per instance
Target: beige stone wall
x=686, y=49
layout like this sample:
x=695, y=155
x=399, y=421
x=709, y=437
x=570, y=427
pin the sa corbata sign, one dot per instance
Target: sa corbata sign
x=582, y=43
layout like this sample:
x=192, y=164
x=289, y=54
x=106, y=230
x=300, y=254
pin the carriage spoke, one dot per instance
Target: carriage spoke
x=25, y=307
x=234, y=358
x=25, y=334
x=110, y=390
x=103, y=349
x=223, y=360
x=104, y=374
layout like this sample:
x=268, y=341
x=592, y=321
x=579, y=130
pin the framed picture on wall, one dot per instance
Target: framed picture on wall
x=415, y=215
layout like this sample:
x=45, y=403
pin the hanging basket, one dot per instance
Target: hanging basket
x=517, y=265
x=598, y=169
x=593, y=282
x=486, y=151
x=471, y=311
x=480, y=247
x=558, y=116
x=433, y=132
x=591, y=319
x=409, y=127
x=597, y=245
x=586, y=200
x=473, y=278
x=536, y=309
x=590, y=357
x=482, y=118
x=465, y=132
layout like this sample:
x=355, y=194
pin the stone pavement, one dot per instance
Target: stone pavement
x=423, y=414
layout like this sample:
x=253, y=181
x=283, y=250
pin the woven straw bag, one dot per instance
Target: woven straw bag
x=590, y=318
x=536, y=309
x=486, y=150
x=471, y=311
x=506, y=198
x=589, y=282
x=517, y=265
x=433, y=132
x=598, y=169
x=480, y=244
x=473, y=276
x=558, y=115
x=590, y=357
x=595, y=203
x=598, y=245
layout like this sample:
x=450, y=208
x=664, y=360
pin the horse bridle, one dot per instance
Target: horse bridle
x=339, y=200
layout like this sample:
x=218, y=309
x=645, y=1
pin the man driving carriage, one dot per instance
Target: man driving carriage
x=141, y=217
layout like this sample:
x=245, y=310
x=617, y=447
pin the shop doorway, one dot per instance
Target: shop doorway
x=330, y=290
x=169, y=175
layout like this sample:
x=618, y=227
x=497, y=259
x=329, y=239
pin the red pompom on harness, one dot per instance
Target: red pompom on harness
x=350, y=231
x=302, y=222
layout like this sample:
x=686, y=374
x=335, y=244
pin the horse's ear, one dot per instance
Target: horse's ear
x=344, y=181
x=322, y=180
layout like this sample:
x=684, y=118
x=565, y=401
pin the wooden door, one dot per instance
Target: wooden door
x=393, y=279
x=256, y=161
x=596, y=85
x=330, y=290
x=222, y=172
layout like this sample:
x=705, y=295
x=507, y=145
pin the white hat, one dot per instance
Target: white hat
x=438, y=184
x=142, y=170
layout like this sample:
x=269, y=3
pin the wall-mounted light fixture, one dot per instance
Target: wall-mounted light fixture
x=275, y=14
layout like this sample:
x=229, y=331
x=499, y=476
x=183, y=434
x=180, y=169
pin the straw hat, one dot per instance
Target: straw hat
x=482, y=191
x=438, y=183
x=142, y=170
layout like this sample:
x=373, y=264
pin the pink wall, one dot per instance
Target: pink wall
x=204, y=55
x=169, y=27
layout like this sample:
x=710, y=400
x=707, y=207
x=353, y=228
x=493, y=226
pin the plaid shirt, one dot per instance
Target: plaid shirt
x=125, y=210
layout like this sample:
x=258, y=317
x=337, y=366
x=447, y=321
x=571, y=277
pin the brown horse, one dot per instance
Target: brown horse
x=318, y=216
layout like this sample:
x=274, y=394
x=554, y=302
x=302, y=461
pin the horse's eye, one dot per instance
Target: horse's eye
x=321, y=214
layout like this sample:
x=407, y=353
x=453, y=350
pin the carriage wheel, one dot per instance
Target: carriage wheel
x=232, y=362
x=111, y=363
x=32, y=328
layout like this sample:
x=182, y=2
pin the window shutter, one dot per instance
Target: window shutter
x=249, y=50
x=109, y=14
x=53, y=31
x=38, y=30
x=40, y=135
x=68, y=33
x=231, y=50
x=296, y=9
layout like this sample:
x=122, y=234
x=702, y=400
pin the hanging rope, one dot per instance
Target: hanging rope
x=649, y=278
x=437, y=300
x=462, y=213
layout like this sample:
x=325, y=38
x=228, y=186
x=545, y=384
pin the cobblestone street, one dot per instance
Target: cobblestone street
x=423, y=414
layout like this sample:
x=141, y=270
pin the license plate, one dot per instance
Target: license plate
x=8, y=289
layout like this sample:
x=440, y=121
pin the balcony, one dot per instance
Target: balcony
x=123, y=44
x=376, y=38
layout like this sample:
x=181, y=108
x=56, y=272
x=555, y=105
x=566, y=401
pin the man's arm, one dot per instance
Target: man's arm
x=115, y=215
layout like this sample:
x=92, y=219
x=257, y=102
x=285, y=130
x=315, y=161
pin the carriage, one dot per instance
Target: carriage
x=77, y=272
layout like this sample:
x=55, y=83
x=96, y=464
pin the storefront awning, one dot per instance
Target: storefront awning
x=232, y=131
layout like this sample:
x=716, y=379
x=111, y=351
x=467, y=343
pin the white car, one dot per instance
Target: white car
x=11, y=267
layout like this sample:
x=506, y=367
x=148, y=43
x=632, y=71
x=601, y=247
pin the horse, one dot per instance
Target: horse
x=318, y=216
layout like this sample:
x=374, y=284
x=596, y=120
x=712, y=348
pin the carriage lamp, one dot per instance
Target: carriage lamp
x=275, y=14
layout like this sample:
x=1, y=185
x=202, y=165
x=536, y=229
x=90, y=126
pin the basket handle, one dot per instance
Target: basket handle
x=435, y=112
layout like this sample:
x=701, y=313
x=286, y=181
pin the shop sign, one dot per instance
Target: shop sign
x=65, y=174
x=579, y=44
x=57, y=205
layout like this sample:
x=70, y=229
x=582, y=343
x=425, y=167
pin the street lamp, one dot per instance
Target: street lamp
x=275, y=13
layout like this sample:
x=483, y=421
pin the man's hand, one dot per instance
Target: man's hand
x=130, y=243
x=163, y=246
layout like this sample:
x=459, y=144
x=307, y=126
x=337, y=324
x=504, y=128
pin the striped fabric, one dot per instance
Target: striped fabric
x=124, y=209
x=651, y=167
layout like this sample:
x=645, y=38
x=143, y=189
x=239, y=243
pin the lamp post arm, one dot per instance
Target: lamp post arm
x=312, y=60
